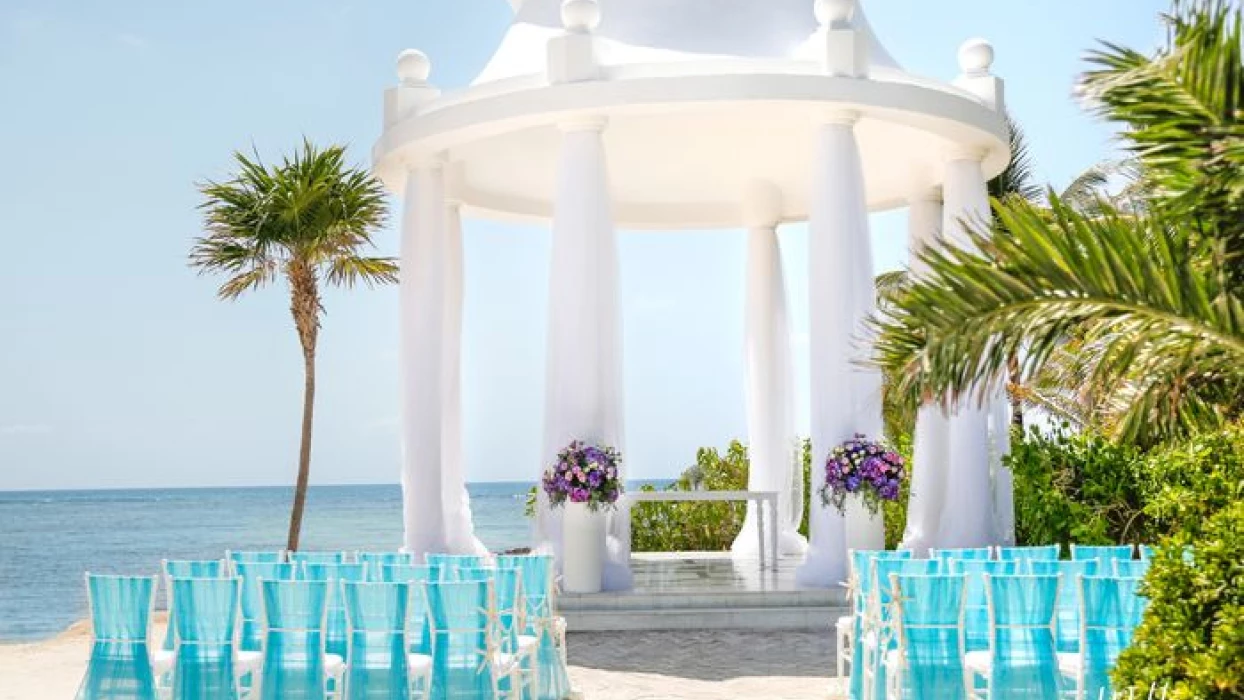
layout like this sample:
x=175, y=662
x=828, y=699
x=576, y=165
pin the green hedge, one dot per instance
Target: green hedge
x=1191, y=641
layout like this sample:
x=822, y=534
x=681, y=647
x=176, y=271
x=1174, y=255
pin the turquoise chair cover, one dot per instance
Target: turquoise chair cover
x=1024, y=662
x=293, y=663
x=1130, y=568
x=1068, y=625
x=1102, y=554
x=1111, y=610
x=859, y=586
x=318, y=557
x=1026, y=554
x=120, y=664
x=962, y=553
x=929, y=628
x=268, y=557
x=417, y=633
x=187, y=568
x=205, y=612
x=536, y=571
x=876, y=618
x=976, y=606
x=252, y=574
x=376, y=561
x=335, y=632
x=376, y=668
x=464, y=640
x=449, y=564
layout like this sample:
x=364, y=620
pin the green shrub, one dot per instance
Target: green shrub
x=1189, y=482
x=1076, y=487
x=1192, y=638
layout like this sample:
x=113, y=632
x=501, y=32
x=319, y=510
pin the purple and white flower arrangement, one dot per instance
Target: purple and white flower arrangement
x=863, y=467
x=584, y=474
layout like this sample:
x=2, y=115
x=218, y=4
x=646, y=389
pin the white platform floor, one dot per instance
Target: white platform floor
x=705, y=590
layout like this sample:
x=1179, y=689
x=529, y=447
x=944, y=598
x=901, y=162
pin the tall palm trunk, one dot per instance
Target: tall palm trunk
x=305, y=308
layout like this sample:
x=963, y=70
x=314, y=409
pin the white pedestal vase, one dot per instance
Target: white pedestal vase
x=583, y=549
x=864, y=529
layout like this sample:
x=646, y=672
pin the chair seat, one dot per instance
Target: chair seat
x=844, y=623
x=527, y=645
x=1070, y=664
x=419, y=663
x=891, y=660
x=978, y=661
x=162, y=661
x=334, y=665
x=504, y=663
x=559, y=625
x=249, y=660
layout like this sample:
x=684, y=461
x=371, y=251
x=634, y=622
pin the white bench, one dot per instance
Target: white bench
x=762, y=498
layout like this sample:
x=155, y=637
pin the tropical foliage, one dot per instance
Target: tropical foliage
x=1147, y=299
x=1191, y=641
x=1078, y=486
x=309, y=220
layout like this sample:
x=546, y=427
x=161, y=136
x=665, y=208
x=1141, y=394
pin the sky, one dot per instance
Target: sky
x=120, y=368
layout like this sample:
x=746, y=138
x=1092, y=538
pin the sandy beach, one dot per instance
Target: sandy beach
x=604, y=665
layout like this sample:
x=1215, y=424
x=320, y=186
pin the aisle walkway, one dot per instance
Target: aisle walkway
x=702, y=665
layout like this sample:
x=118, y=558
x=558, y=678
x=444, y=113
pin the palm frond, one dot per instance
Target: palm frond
x=1128, y=286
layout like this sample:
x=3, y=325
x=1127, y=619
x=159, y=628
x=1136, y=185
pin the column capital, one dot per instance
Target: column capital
x=961, y=153
x=840, y=117
x=926, y=194
x=762, y=205
x=590, y=122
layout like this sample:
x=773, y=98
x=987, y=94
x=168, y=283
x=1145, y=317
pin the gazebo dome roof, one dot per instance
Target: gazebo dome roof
x=699, y=100
x=657, y=31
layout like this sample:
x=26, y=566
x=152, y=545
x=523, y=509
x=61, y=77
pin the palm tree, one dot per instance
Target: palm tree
x=1150, y=295
x=308, y=219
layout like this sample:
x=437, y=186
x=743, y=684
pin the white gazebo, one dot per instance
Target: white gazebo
x=678, y=114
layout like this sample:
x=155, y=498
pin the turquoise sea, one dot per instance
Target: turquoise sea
x=48, y=539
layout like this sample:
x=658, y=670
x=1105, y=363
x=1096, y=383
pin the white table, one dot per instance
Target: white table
x=762, y=498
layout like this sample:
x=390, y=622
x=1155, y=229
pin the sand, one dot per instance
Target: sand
x=604, y=665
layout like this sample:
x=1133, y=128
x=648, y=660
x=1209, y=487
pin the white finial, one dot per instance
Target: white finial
x=580, y=16
x=976, y=57
x=413, y=67
x=835, y=14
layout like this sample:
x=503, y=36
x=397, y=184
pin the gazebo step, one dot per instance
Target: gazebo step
x=641, y=601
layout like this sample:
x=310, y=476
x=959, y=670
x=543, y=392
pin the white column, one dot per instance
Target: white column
x=773, y=449
x=583, y=399
x=967, y=518
x=422, y=329
x=838, y=227
x=459, y=528
x=931, y=448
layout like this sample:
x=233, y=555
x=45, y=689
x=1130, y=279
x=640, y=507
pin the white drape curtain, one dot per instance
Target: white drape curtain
x=422, y=292
x=584, y=399
x=932, y=446
x=459, y=528
x=967, y=518
x=773, y=447
x=838, y=227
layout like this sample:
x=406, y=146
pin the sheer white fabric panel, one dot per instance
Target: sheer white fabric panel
x=864, y=530
x=1003, y=480
x=459, y=528
x=584, y=399
x=932, y=448
x=838, y=219
x=772, y=448
x=967, y=513
x=422, y=291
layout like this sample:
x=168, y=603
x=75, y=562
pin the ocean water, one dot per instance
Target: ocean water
x=49, y=539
